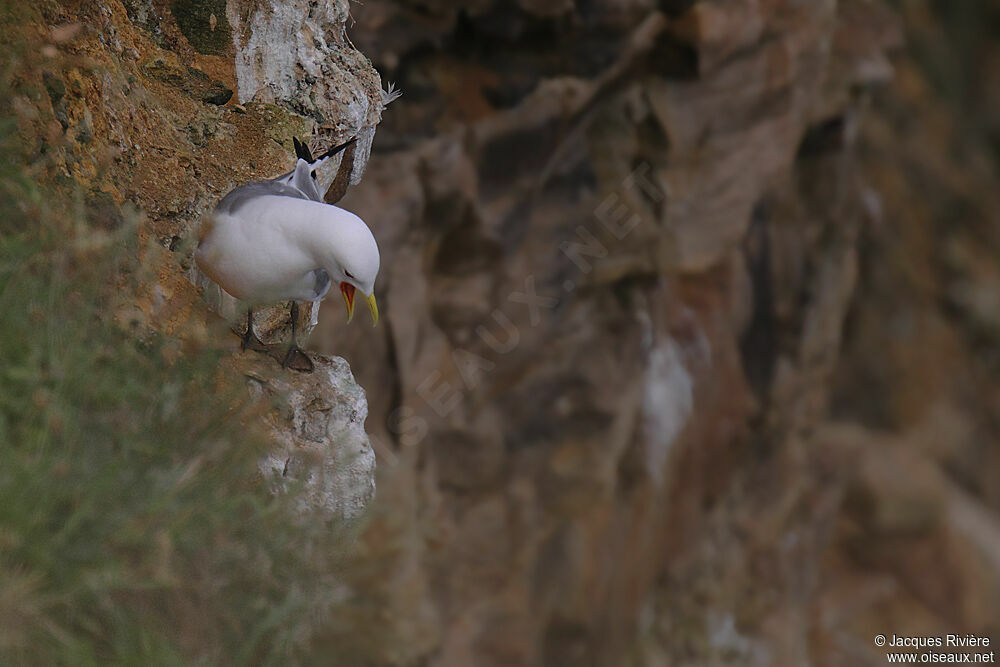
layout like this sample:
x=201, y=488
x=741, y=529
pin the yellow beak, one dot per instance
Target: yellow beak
x=373, y=308
x=348, y=291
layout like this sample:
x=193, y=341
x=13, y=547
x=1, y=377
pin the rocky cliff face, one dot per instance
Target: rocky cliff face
x=620, y=246
x=658, y=287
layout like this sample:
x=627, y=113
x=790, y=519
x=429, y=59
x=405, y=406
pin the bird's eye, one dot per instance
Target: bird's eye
x=313, y=175
x=348, y=274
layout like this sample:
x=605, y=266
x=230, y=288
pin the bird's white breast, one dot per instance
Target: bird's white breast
x=256, y=255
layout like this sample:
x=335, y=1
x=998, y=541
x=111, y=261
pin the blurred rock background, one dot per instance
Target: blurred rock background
x=691, y=310
x=751, y=417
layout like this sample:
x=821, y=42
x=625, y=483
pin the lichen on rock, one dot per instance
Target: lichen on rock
x=204, y=23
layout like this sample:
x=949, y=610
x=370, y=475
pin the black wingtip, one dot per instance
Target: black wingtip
x=336, y=149
x=302, y=151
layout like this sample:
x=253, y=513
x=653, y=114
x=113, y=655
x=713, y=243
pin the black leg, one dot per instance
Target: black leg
x=296, y=359
x=249, y=338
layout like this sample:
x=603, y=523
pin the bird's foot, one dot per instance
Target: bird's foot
x=297, y=360
x=249, y=341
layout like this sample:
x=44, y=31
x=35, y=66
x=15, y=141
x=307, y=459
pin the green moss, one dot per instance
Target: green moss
x=280, y=124
x=195, y=19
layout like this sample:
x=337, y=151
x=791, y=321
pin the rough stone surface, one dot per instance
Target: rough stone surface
x=689, y=336
x=192, y=81
x=620, y=249
x=297, y=54
x=319, y=434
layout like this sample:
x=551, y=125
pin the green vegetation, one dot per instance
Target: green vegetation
x=134, y=528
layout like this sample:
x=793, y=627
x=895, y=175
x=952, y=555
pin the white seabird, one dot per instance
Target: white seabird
x=270, y=242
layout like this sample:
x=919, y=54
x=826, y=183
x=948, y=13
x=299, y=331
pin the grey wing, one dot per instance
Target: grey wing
x=286, y=179
x=239, y=197
x=322, y=284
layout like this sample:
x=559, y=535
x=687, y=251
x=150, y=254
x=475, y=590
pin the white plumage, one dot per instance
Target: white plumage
x=274, y=241
x=271, y=247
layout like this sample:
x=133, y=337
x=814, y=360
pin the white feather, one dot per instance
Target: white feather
x=264, y=248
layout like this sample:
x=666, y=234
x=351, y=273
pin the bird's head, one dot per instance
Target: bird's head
x=354, y=262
